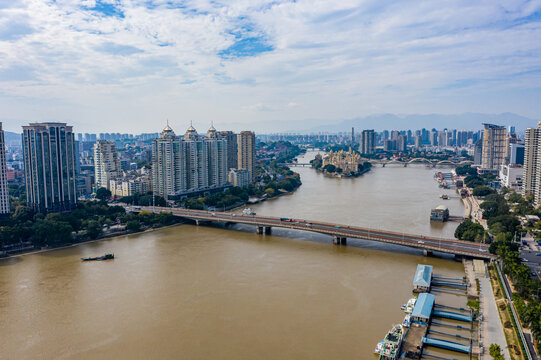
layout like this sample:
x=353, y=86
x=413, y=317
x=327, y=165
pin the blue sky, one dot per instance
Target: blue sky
x=119, y=65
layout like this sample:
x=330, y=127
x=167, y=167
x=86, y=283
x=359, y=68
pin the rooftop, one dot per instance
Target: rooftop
x=423, y=306
x=423, y=275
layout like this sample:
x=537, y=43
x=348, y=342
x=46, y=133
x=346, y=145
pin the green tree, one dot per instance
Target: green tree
x=496, y=352
x=465, y=170
x=93, y=229
x=133, y=225
x=330, y=168
x=51, y=232
x=22, y=214
x=469, y=231
x=103, y=194
x=483, y=191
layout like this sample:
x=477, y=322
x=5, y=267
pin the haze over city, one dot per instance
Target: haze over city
x=285, y=65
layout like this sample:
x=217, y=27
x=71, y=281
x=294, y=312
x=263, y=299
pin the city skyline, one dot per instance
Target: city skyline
x=252, y=65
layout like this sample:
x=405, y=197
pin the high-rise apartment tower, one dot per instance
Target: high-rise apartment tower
x=4, y=194
x=246, y=152
x=49, y=164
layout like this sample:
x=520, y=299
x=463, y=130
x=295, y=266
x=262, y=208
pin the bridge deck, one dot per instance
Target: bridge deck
x=428, y=243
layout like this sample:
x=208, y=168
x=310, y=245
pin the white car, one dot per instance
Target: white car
x=420, y=242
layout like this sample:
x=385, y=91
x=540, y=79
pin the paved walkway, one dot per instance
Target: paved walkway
x=492, y=325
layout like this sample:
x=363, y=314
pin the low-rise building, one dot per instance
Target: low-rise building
x=239, y=177
x=423, y=308
x=511, y=176
x=129, y=187
x=440, y=213
x=423, y=278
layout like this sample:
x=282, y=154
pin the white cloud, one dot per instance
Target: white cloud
x=98, y=61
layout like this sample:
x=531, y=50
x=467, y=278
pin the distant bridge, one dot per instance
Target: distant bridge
x=383, y=162
x=429, y=162
x=339, y=232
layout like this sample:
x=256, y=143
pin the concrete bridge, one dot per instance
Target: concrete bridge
x=428, y=162
x=384, y=162
x=340, y=233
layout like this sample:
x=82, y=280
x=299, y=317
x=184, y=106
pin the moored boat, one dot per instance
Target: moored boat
x=408, y=307
x=407, y=321
x=99, y=258
x=392, y=344
x=379, y=347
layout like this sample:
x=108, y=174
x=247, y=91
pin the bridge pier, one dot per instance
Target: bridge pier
x=263, y=230
x=339, y=240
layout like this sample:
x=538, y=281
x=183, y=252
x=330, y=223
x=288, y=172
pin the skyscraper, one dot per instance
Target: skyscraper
x=232, y=148
x=493, y=147
x=4, y=194
x=368, y=142
x=192, y=163
x=217, y=157
x=246, y=152
x=168, y=165
x=106, y=163
x=49, y=161
x=478, y=152
x=516, y=154
x=401, y=143
x=531, y=178
x=418, y=141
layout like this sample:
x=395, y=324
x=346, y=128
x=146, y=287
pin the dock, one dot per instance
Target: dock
x=427, y=312
x=447, y=345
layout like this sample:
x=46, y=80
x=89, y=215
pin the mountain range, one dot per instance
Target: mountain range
x=378, y=122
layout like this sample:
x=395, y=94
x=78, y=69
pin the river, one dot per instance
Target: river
x=189, y=292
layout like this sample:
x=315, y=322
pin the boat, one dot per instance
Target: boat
x=407, y=321
x=408, y=308
x=392, y=344
x=445, y=196
x=99, y=258
x=248, y=211
x=379, y=347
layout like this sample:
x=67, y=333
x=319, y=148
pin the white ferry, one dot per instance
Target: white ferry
x=248, y=211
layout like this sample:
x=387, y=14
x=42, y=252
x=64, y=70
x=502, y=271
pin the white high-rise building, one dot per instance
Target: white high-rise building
x=217, y=157
x=168, y=169
x=106, y=163
x=531, y=180
x=4, y=194
x=192, y=163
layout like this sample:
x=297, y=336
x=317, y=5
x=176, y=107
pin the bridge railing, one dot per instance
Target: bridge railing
x=400, y=238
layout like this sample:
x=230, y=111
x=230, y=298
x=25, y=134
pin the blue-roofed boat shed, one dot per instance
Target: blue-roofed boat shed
x=423, y=278
x=423, y=308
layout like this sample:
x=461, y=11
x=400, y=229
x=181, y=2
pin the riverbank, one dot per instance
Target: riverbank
x=340, y=175
x=101, y=238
